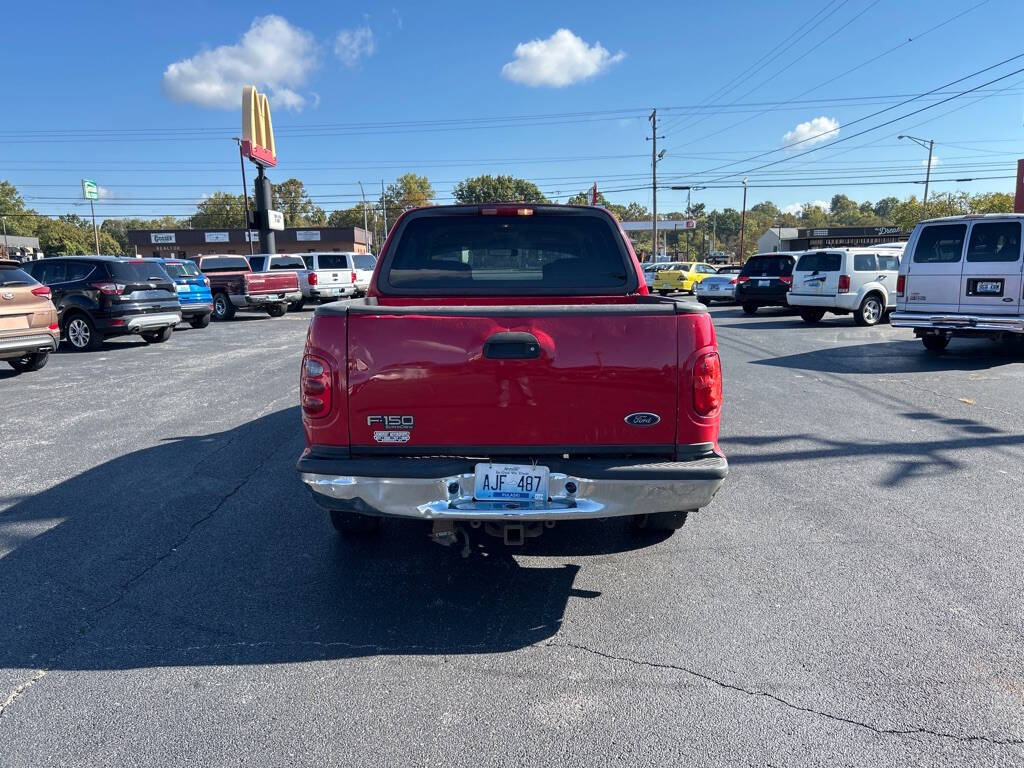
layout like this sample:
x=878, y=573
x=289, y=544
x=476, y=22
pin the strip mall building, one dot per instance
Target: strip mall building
x=181, y=243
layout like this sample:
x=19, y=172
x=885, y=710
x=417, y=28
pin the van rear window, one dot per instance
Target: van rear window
x=820, y=262
x=998, y=241
x=768, y=266
x=541, y=254
x=940, y=244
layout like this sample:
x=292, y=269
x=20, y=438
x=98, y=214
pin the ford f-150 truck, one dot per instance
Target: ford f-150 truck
x=235, y=286
x=508, y=370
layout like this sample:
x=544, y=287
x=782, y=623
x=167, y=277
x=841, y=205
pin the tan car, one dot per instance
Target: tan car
x=28, y=320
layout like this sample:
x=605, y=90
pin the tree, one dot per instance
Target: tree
x=63, y=237
x=221, y=210
x=408, y=191
x=291, y=199
x=497, y=189
x=885, y=207
x=351, y=217
x=19, y=219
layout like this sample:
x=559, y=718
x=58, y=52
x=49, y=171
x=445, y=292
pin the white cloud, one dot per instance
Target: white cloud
x=104, y=193
x=812, y=132
x=351, y=45
x=797, y=208
x=935, y=161
x=561, y=60
x=272, y=54
x=398, y=19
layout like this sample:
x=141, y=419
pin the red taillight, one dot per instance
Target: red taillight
x=312, y=278
x=844, y=283
x=707, y=384
x=733, y=281
x=743, y=279
x=41, y=290
x=315, y=387
x=786, y=279
x=54, y=327
x=901, y=285
x=353, y=277
x=109, y=289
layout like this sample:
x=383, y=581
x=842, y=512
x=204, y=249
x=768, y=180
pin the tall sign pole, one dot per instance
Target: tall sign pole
x=1018, y=200
x=258, y=145
x=91, y=192
x=743, y=220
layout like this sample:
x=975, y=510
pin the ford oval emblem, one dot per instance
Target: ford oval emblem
x=642, y=419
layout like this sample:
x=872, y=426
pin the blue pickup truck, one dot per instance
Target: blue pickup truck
x=193, y=291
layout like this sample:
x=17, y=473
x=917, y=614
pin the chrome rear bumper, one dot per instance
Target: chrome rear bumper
x=1006, y=323
x=451, y=497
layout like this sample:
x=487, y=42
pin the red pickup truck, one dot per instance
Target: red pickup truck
x=508, y=370
x=235, y=286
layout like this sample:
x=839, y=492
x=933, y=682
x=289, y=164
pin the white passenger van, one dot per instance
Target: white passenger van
x=861, y=281
x=961, y=276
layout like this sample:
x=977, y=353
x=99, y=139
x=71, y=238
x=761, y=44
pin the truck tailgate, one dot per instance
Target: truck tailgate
x=271, y=282
x=473, y=379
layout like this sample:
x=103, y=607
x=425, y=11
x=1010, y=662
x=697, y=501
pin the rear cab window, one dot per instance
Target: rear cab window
x=224, y=264
x=940, y=244
x=543, y=253
x=820, y=261
x=994, y=242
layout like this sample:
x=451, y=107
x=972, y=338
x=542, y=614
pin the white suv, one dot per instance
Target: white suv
x=845, y=280
x=962, y=276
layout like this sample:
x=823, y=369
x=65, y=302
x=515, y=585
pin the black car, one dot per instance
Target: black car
x=101, y=296
x=765, y=281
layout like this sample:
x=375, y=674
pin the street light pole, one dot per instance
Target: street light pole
x=366, y=232
x=245, y=196
x=930, y=145
x=655, y=157
x=743, y=220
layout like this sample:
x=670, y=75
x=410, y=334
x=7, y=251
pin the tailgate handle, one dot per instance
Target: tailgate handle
x=512, y=345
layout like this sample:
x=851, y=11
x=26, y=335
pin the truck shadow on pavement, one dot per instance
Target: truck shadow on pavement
x=908, y=356
x=207, y=550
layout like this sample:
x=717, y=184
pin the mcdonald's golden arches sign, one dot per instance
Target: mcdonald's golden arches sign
x=257, y=128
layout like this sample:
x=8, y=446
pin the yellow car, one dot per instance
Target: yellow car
x=682, y=279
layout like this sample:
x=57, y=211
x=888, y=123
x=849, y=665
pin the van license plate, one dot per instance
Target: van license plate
x=991, y=286
x=515, y=482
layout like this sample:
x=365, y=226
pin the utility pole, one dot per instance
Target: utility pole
x=245, y=196
x=930, y=145
x=743, y=220
x=366, y=232
x=655, y=157
x=384, y=208
x=7, y=252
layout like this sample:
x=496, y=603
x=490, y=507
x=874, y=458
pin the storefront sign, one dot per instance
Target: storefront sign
x=161, y=237
x=307, y=235
x=215, y=237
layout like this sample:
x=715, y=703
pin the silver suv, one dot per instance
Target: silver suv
x=962, y=276
x=861, y=281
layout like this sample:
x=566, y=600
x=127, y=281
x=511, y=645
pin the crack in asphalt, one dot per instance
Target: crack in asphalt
x=20, y=689
x=789, y=704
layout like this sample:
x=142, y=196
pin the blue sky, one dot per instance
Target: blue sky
x=131, y=95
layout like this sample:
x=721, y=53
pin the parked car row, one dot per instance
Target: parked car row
x=83, y=300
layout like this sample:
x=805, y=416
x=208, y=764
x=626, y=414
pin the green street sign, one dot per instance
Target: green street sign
x=90, y=191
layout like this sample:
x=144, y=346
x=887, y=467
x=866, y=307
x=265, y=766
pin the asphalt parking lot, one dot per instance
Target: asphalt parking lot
x=169, y=595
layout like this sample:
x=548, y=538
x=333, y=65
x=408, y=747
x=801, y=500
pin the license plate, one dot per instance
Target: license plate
x=182, y=288
x=331, y=292
x=989, y=287
x=515, y=482
x=763, y=283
